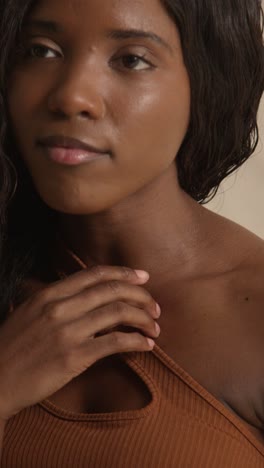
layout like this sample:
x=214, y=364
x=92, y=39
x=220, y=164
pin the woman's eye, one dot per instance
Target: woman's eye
x=130, y=61
x=39, y=51
x=135, y=62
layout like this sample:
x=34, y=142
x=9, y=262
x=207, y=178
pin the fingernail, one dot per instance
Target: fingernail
x=151, y=342
x=158, y=309
x=142, y=274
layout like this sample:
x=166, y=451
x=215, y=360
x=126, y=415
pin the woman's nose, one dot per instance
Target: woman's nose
x=77, y=94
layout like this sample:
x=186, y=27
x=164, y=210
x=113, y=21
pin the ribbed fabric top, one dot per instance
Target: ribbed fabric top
x=182, y=426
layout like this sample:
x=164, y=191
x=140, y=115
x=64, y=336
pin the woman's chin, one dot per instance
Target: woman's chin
x=73, y=206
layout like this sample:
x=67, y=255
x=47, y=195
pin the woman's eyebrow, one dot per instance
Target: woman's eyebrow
x=43, y=25
x=52, y=26
x=137, y=33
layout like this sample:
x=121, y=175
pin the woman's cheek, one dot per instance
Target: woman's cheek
x=156, y=123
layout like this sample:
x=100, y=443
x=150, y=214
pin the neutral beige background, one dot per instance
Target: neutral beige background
x=241, y=195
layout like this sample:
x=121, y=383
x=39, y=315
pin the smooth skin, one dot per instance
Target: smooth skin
x=57, y=334
x=128, y=209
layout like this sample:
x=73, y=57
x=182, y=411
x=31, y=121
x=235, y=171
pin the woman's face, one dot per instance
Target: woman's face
x=78, y=78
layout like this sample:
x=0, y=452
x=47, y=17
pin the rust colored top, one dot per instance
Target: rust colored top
x=183, y=425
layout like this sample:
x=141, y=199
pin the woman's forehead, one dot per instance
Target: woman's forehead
x=141, y=12
x=126, y=14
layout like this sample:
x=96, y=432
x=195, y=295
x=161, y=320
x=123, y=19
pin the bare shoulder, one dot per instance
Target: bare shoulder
x=236, y=242
x=247, y=291
x=221, y=322
x=240, y=288
x=240, y=293
x=245, y=250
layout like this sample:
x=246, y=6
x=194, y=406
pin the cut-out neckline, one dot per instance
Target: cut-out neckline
x=133, y=360
x=113, y=415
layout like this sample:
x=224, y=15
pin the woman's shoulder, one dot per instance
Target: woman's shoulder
x=241, y=285
x=246, y=321
x=240, y=292
x=237, y=246
x=222, y=318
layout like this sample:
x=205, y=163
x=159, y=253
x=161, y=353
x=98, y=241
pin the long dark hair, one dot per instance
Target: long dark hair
x=222, y=46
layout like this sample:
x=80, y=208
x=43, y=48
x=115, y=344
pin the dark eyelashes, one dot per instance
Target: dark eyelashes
x=27, y=54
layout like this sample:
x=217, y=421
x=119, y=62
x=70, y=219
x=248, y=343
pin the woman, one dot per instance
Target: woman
x=119, y=121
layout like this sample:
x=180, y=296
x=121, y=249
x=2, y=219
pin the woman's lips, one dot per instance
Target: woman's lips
x=71, y=156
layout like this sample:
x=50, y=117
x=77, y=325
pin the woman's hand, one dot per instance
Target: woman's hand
x=65, y=328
